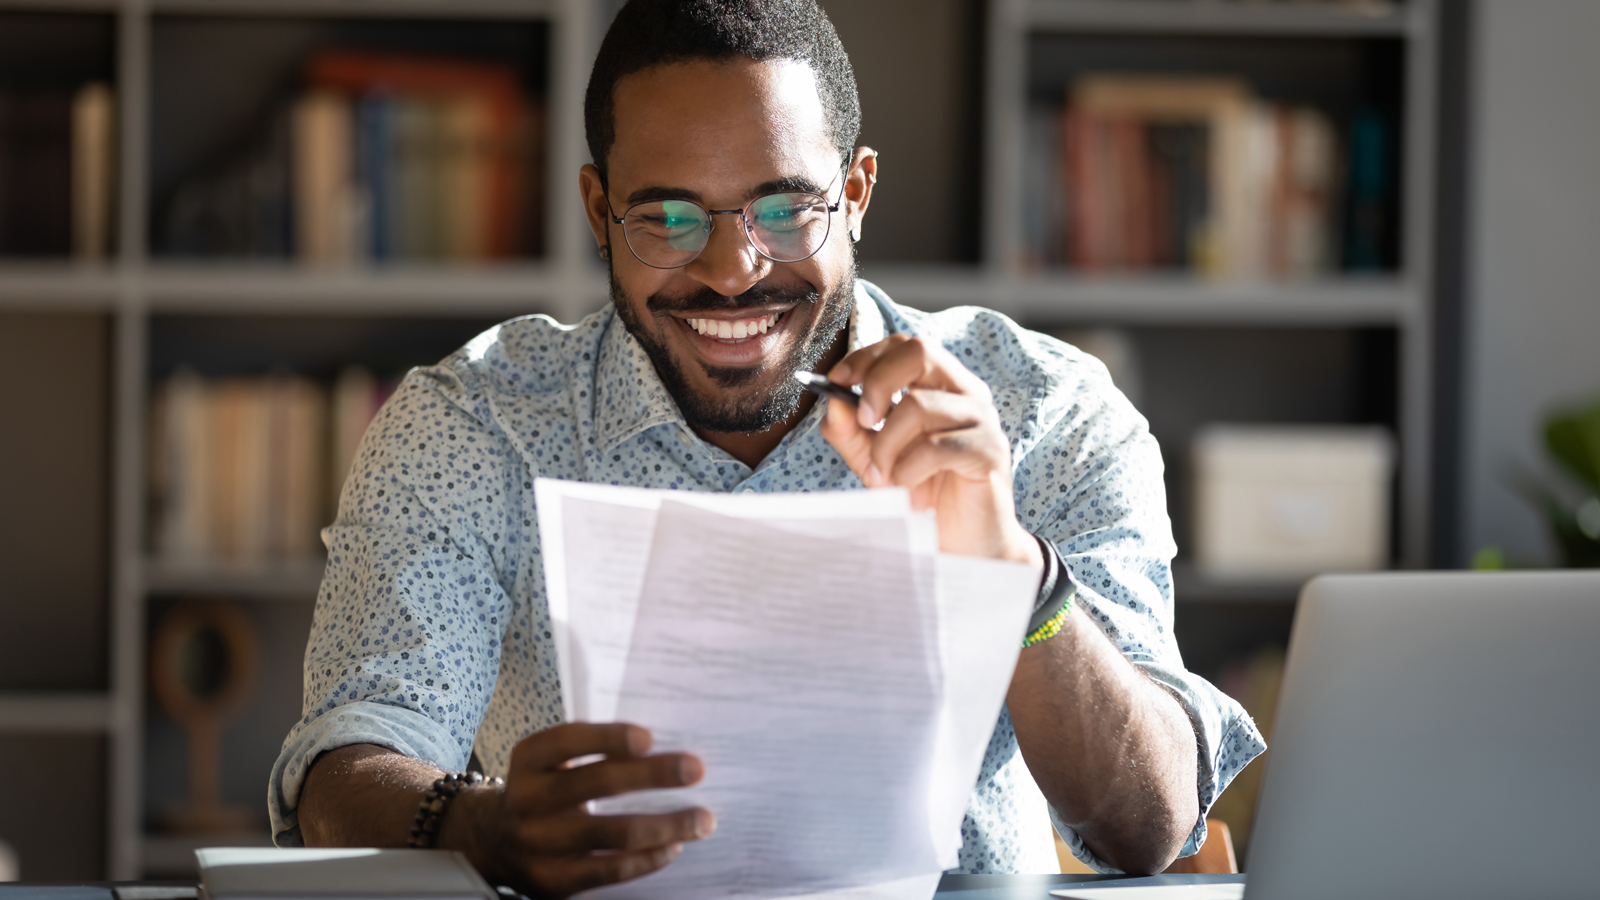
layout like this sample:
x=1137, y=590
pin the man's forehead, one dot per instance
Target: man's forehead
x=719, y=125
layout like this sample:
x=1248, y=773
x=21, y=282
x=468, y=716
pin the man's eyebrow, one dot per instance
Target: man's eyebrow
x=653, y=193
x=661, y=192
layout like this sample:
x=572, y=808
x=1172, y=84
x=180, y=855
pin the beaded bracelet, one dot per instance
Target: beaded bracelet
x=430, y=814
x=1057, y=590
x=1050, y=628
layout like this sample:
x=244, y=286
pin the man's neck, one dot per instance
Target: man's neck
x=751, y=447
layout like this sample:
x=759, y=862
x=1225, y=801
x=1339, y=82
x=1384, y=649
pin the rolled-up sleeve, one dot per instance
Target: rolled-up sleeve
x=406, y=639
x=1090, y=481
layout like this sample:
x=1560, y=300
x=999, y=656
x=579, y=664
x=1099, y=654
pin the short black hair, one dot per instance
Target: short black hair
x=649, y=33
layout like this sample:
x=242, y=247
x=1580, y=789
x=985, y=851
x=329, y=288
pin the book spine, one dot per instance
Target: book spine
x=93, y=170
x=322, y=174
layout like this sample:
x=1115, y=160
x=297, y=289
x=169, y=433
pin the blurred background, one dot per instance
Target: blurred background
x=1336, y=252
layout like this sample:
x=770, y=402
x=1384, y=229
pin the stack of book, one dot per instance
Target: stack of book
x=57, y=161
x=248, y=470
x=382, y=157
x=1196, y=173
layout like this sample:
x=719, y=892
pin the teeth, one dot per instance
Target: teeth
x=733, y=331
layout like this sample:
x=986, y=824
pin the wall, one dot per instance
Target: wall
x=1533, y=332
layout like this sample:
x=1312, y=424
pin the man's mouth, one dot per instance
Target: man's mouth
x=733, y=329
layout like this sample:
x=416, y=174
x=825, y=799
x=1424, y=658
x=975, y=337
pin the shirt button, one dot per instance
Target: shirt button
x=683, y=439
x=747, y=490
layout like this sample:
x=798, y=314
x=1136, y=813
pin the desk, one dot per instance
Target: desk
x=951, y=887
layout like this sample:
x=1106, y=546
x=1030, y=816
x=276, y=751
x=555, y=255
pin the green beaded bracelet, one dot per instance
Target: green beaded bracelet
x=1050, y=628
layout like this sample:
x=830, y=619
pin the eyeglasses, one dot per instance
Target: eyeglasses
x=790, y=226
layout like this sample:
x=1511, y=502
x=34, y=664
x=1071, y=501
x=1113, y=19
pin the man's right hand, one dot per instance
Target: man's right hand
x=537, y=834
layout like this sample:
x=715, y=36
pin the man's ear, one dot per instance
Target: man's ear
x=858, y=188
x=590, y=185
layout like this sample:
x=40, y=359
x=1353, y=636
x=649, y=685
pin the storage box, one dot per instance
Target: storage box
x=1277, y=501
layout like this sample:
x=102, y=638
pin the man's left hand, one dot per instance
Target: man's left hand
x=942, y=442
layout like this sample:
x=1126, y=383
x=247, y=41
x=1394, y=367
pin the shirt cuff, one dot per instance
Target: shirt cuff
x=363, y=722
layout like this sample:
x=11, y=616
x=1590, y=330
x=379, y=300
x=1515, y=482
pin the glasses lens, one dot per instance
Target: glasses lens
x=788, y=227
x=666, y=234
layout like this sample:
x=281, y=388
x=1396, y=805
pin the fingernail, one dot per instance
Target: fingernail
x=869, y=416
x=689, y=769
x=873, y=477
x=704, y=823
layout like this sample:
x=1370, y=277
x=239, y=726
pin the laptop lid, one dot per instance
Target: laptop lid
x=1437, y=735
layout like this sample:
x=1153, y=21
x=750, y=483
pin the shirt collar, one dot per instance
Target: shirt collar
x=630, y=398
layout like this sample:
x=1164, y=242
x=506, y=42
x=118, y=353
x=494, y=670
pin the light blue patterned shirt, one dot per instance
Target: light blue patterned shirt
x=431, y=634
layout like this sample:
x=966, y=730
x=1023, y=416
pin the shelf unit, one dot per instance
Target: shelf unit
x=134, y=288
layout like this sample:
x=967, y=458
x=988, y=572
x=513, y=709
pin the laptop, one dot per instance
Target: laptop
x=1438, y=735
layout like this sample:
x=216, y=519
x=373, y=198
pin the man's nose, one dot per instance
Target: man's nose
x=729, y=264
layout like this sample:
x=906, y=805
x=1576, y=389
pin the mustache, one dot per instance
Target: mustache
x=707, y=300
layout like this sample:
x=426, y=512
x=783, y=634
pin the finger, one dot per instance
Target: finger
x=548, y=750
x=922, y=412
x=968, y=453
x=912, y=363
x=849, y=370
x=853, y=443
x=564, y=877
x=579, y=834
x=608, y=778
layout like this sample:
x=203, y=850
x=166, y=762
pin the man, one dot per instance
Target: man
x=726, y=193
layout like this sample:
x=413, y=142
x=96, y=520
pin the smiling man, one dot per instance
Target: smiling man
x=726, y=194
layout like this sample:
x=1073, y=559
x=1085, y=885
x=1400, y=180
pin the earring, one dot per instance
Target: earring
x=855, y=234
x=605, y=252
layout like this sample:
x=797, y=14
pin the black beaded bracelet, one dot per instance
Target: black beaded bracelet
x=430, y=815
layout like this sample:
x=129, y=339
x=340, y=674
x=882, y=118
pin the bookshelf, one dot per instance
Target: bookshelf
x=1367, y=336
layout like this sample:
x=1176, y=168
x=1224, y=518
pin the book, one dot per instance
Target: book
x=382, y=157
x=322, y=171
x=259, y=873
x=239, y=467
x=93, y=170
x=1140, y=173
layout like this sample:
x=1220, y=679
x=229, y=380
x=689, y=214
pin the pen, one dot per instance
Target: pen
x=818, y=383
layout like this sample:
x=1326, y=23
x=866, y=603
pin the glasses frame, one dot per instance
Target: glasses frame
x=744, y=220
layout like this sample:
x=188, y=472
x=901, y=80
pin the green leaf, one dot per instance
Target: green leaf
x=1573, y=438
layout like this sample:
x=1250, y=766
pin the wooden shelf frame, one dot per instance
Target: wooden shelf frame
x=569, y=282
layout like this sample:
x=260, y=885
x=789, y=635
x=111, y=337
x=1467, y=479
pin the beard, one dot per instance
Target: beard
x=757, y=407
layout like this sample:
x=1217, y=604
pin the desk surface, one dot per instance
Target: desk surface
x=952, y=887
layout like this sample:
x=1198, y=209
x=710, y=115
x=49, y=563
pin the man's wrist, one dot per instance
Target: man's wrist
x=472, y=826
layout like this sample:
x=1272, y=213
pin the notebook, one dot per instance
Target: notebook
x=269, y=873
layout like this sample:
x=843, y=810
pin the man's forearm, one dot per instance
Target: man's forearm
x=1112, y=751
x=362, y=796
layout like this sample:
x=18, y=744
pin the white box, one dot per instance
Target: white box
x=1282, y=501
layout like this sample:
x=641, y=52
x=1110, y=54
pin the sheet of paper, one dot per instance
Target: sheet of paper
x=839, y=678
x=805, y=674
x=1155, y=892
x=983, y=610
x=595, y=540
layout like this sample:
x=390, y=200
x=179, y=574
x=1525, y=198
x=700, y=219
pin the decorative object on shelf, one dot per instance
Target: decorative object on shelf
x=204, y=661
x=1291, y=500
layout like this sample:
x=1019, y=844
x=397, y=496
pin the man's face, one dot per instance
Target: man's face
x=721, y=134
